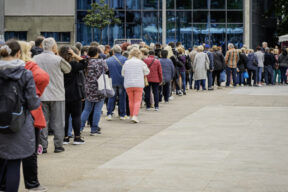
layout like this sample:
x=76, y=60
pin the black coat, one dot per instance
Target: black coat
x=219, y=61
x=242, y=63
x=269, y=60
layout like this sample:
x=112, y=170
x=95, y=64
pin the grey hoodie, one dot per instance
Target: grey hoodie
x=21, y=144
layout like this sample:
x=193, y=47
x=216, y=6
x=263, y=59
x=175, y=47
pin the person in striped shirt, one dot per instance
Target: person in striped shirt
x=231, y=60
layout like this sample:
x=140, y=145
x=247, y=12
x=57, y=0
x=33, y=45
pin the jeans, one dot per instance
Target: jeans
x=121, y=93
x=268, y=71
x=210, y=79
x=260, y=70
x=155, y=89
x=183, y=78
x=96, y=116
x=216, y=74
x=70, y=128
x=255, y=77
x=190, y=78
x=202, y=82
x=135, y=98
x=241, y=79
x=283, y=74
x=277, y=72
x=166, y=92
x=9, y=175
x=234, y=73
x=73, y=109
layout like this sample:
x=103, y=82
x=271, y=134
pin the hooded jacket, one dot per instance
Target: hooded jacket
x=21, y=144
x=41, y=79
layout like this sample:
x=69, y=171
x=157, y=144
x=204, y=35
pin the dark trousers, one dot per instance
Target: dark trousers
x=155, y=90
x=210, y=79
x=30, y=166
x=165, y=91
x=254, y=73
x=283, y=74
x=216, y=74
x=73, y=108
x=234, y=76
x=9, y=175
x=202, y=82
x=268, y=72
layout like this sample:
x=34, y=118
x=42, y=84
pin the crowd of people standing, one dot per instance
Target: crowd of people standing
x=57, y=90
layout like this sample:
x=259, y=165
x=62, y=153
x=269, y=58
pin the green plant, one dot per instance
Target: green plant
x=100, y=16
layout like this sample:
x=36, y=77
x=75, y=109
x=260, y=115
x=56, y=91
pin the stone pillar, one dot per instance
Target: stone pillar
x=164, y=22
x=247, y=23
x=2, y=20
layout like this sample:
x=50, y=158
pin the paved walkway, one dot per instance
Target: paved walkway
x=228, y=140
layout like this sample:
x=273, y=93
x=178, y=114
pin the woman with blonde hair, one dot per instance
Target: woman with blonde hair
x=41, y=78
x=134, y=70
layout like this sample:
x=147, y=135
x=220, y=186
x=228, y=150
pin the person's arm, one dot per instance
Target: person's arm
x=227, y=57
x=160, y=71
x=65, y=66
x=31, y=98
x=146, y=70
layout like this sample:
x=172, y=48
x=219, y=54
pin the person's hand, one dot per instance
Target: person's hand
x=71, y=52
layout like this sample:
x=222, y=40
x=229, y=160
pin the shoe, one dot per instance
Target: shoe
x=78, y=141
x=40, y=188
x=156, y=108
x=147, y=109
x=171, y=98
x=66, y=141
x=95, y=133
x=109, y=118
x=124, y=118
x=44, y=150
x=179, y=93
x=210, y=89
x=135, y=119
x=166, y=102
x=184, y=93
x=59, y=149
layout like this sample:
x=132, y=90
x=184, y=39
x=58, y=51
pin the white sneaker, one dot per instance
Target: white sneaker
x=171, y=98
x=40, y=188
x=156, y=109
x=124, y=118
x=109, y=118
x=135, y=119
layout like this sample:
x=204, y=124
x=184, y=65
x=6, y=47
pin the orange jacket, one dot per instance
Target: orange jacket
x=41, y=79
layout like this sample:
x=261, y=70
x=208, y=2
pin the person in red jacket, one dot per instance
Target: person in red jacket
x=41, y=78
x=154, y=78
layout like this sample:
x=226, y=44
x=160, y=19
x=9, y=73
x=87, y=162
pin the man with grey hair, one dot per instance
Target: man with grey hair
x=115, y=64
x=53, y=98
x=231, y=60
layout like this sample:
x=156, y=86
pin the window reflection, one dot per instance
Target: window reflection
x=200, y=34
x=200, y=16
x=117, y=4
x=151, y=4
x=183, y=4
x=170, y=26
x=235, y=16
x=217, y=35
x=97, y=35
x=116, y=32
x=133, y=27
x=218, y=16
x=200, y=4
x=184, y=28
x=133, y=4
x=170, y=4
x=235, y=34
x=83, y=4
x=234, y=4
x=84, y=34
x=217, y=4
x=150, y=27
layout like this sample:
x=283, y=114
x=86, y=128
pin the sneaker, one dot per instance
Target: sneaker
x=109, y=118
x=44, y=151
x=59, y=149
x=166, y=102
x=95, y=133
x=124, y=118
x=210, y=89
x=135, y=119
x=184, y=93
x=78, y=141
x=171, y=98
x=147, y=109
x=40, y=188
x=156, y=108
x=66, y=141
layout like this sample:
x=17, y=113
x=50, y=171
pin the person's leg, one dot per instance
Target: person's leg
x=155, y=88
x=30, y=167
x=255, y=77
x=122, y=101
x=191, y=79
x=147, y=91
x=166, y=91
x=197, y=85
x=85, y=114
x=13, y=175
x=279, y=75
x=218, y=73
x=130, y=92
x=57, y=122
x=228, y=71
x=210, y=79
x=183, y=77
x=214, y=73
x=44, y=132
x=160, y=92
x=234, y=76
x=111, y=102
x=137, y=100
x=203, y=82
x=76, y=117
x=260, y=69
x=97, y=115
x=266, y=75
x=67, y=115
x=70, y=128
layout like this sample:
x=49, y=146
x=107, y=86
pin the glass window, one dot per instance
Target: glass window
x=218, y=35
x=200, y=4
x=217, y=4
x=116, y=32
x=117, y=4
x=80, y=16
x=184, y=28
x=234, y=4
x=200, y=34
x=133, y=27
x=84, y=34
x=58, y=36
x=170, y=4
x=235, y=34
x=133, y=4
x=184, y=4
x=83, y=4
x=218, y=16
x=235, y=16
x=150, y=4
x=120, y=15
x=170, y=26
x=150, y=27
x=200, y=16
x=19, y=35
x=97, y=35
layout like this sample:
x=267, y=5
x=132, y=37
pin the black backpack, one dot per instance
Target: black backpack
x=188, y=65
x=12, y=114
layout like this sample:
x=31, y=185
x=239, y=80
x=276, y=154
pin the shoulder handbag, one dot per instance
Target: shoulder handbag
x=146, y=83
x=118, y=60
x=105, y=85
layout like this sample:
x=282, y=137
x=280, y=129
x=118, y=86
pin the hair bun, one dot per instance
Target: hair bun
x=5, y=51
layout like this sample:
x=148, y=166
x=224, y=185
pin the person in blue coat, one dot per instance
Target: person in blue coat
x=252, y=66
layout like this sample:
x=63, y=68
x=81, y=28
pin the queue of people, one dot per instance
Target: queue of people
x=45, y=88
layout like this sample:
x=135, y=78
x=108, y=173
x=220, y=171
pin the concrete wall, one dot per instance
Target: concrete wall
x=247, y=23
x=2, y=20
x=39, y=7
x=34, y=25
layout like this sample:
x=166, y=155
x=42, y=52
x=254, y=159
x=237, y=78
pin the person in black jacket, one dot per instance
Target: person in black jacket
x=37, y=49
x=219, y=65
x=269, y=63
x=242, y=67
x=73, y=93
